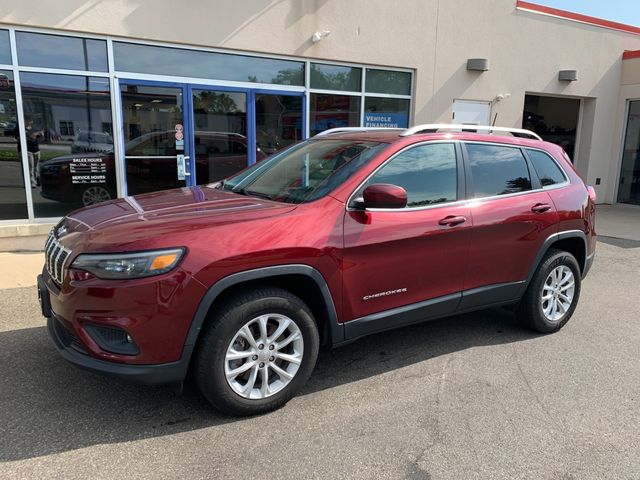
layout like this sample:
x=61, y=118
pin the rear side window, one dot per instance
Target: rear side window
x=547, y=169
x=426, y=172
x=497, y=170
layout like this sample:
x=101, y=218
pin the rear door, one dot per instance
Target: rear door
x=512, y=217
x=402, y=257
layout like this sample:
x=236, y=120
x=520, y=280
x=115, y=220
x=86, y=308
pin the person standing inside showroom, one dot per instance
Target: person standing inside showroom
x=33, y=149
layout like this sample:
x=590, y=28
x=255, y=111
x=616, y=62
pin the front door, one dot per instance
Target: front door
x=156, y=154
x=404, y=257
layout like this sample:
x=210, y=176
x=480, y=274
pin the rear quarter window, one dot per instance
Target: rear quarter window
x=547, y=169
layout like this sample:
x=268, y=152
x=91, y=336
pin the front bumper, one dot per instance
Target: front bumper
x=147, y=374
x=75, y=352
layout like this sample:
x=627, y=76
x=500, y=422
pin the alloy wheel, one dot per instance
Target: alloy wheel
x=557, y=293
x=264, y=356
x=93, y=195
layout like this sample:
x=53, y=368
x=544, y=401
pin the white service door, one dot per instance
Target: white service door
x=471, y=112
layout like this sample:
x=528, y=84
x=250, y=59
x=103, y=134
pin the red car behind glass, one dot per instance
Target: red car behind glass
x=343, y=235
x=88, y=175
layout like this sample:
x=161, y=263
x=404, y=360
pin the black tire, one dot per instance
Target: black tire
x=530, y=310
x=222, y=326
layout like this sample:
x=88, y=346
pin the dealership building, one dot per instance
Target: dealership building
x=107, y=99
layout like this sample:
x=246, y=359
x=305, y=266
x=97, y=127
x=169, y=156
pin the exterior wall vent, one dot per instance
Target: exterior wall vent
x=568, y=75
x=478, y=64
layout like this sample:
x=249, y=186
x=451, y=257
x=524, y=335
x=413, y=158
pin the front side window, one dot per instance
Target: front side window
x=304, y=172
x=497, y=170
x=427, y=172
x=547, y=169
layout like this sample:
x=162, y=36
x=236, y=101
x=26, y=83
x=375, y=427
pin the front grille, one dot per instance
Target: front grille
x=55, y=256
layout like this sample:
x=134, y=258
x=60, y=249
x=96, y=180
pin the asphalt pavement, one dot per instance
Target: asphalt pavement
x=470, y=397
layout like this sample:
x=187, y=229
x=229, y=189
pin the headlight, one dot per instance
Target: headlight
x=129, y=265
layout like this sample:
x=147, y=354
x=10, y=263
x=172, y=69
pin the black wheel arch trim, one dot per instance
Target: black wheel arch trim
x=553, y=239
x=335, y=330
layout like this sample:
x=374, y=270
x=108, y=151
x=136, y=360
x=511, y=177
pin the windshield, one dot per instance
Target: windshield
x=304, y=172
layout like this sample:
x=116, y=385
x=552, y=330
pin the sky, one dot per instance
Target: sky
x=623, y=11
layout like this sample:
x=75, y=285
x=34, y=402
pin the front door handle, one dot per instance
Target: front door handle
x=452, y=220
x=541, y=207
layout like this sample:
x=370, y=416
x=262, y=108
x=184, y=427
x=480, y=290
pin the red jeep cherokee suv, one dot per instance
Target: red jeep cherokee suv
x=349, y=233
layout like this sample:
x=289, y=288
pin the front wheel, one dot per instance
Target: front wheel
x=552, y=295
x=258, y=350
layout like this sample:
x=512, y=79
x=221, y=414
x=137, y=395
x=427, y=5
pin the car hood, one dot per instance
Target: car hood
x=159, y=216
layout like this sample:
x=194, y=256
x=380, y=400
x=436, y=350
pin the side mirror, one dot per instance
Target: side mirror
x=384, y=195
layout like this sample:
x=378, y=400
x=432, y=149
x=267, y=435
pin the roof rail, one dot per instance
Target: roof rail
x=435, y=127
x=352, y=129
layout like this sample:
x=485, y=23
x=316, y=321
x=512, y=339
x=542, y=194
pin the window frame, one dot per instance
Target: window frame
x=461, y=190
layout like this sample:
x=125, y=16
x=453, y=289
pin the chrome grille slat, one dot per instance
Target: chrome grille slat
x=56, y=264
x=55, y=257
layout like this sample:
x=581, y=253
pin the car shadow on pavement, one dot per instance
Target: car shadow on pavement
x=49, y=406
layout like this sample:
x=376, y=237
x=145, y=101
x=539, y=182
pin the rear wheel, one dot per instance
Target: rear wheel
x=95, y=194
x=258, y=351
x=553, y=293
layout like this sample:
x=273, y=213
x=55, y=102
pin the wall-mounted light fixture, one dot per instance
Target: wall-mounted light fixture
x=478, y=64
x=568, y=75
x=319, y=35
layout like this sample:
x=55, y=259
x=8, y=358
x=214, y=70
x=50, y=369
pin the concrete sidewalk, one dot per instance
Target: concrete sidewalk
x=618, y=221
x=20, y=269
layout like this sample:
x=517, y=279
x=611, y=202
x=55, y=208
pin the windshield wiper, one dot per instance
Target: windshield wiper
x=252, y=193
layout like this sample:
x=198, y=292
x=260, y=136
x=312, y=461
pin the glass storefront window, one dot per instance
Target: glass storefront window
x=336, y=77
x=220, y=134
x=278, y=121
x=332, y=111
x=388, y=81
x=130, y=57
x=69, y=141
x=386, y=112
x=152, y=117
x=13, y=201
x=629, y=187
x=57, y=51
x=5, y=48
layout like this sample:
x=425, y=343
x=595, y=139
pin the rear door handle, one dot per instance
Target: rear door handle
x=452, y=220
x=541, y=207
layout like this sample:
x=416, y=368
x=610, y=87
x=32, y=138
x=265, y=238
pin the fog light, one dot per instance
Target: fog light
x=112, y=339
